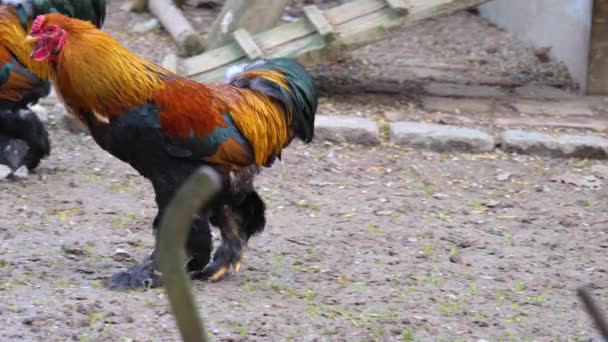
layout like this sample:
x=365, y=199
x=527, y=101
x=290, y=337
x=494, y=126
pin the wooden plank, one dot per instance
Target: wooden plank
x=398, y=5
x=386, y=18
x=212, y=59
x=318, y=20
x=597, y=73
x=311, y=42
x=354, y=9
x=246, y=42
x=285, y=33
x=300, y=28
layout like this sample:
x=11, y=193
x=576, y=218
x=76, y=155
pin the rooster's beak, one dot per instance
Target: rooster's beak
x=30, y=39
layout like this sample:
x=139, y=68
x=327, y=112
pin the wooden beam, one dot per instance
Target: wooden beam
x=316, y=17
x=247, y=44
x=597, y=73
x=178, y=26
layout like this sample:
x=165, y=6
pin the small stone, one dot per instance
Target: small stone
x=579, y=146
x=456, y=258
x=600, y=170
x=491, y=203
x=526, y=220
x=145, y=26
x=74, y=249
x=452, y=119
x=438, y=195
x=481, y=324
x=121, y=255
x=412, y=240
x=5, y=171
x=395, y=115
x=441, y=138
x=344, y=129
x=543, y=54
x=503, y=176
x=591, y=182
x=22, y=172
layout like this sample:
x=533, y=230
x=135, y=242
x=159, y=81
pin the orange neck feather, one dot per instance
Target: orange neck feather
x=95, y=73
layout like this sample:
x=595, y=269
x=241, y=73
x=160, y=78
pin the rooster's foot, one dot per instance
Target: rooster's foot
x=140, y=276
x=223, y=259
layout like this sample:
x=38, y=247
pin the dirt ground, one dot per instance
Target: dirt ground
x=382, y=244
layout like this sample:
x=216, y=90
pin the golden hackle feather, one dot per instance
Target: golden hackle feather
x=260, y=120
x=12, y=37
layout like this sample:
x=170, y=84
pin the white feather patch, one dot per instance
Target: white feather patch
x=101, y=118
x=27, y=5
x=234, y=71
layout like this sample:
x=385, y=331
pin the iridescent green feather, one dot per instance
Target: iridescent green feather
x=300, y=100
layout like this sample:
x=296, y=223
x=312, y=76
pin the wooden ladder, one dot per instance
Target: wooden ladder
x=320, y=35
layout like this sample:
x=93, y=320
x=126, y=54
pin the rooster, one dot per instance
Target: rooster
x=22, y=80
x=166, y=126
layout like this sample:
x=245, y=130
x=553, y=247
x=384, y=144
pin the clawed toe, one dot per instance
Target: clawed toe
x=216, y=270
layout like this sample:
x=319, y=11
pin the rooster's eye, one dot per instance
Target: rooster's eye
x=50, y=29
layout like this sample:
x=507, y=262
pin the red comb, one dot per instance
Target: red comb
x=38, y=22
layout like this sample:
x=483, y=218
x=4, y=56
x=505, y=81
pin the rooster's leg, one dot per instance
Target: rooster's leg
x=237, y=223
x=145, y=275
x=229, y=252
x=198, y=245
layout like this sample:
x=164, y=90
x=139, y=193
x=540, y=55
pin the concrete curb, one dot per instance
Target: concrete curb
x=449, y=138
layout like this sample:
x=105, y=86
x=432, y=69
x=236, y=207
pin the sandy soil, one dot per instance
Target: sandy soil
x=384, y=244
x=427, y=246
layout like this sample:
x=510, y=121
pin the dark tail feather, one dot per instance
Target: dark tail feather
x=91, y=10
x=299, y=99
